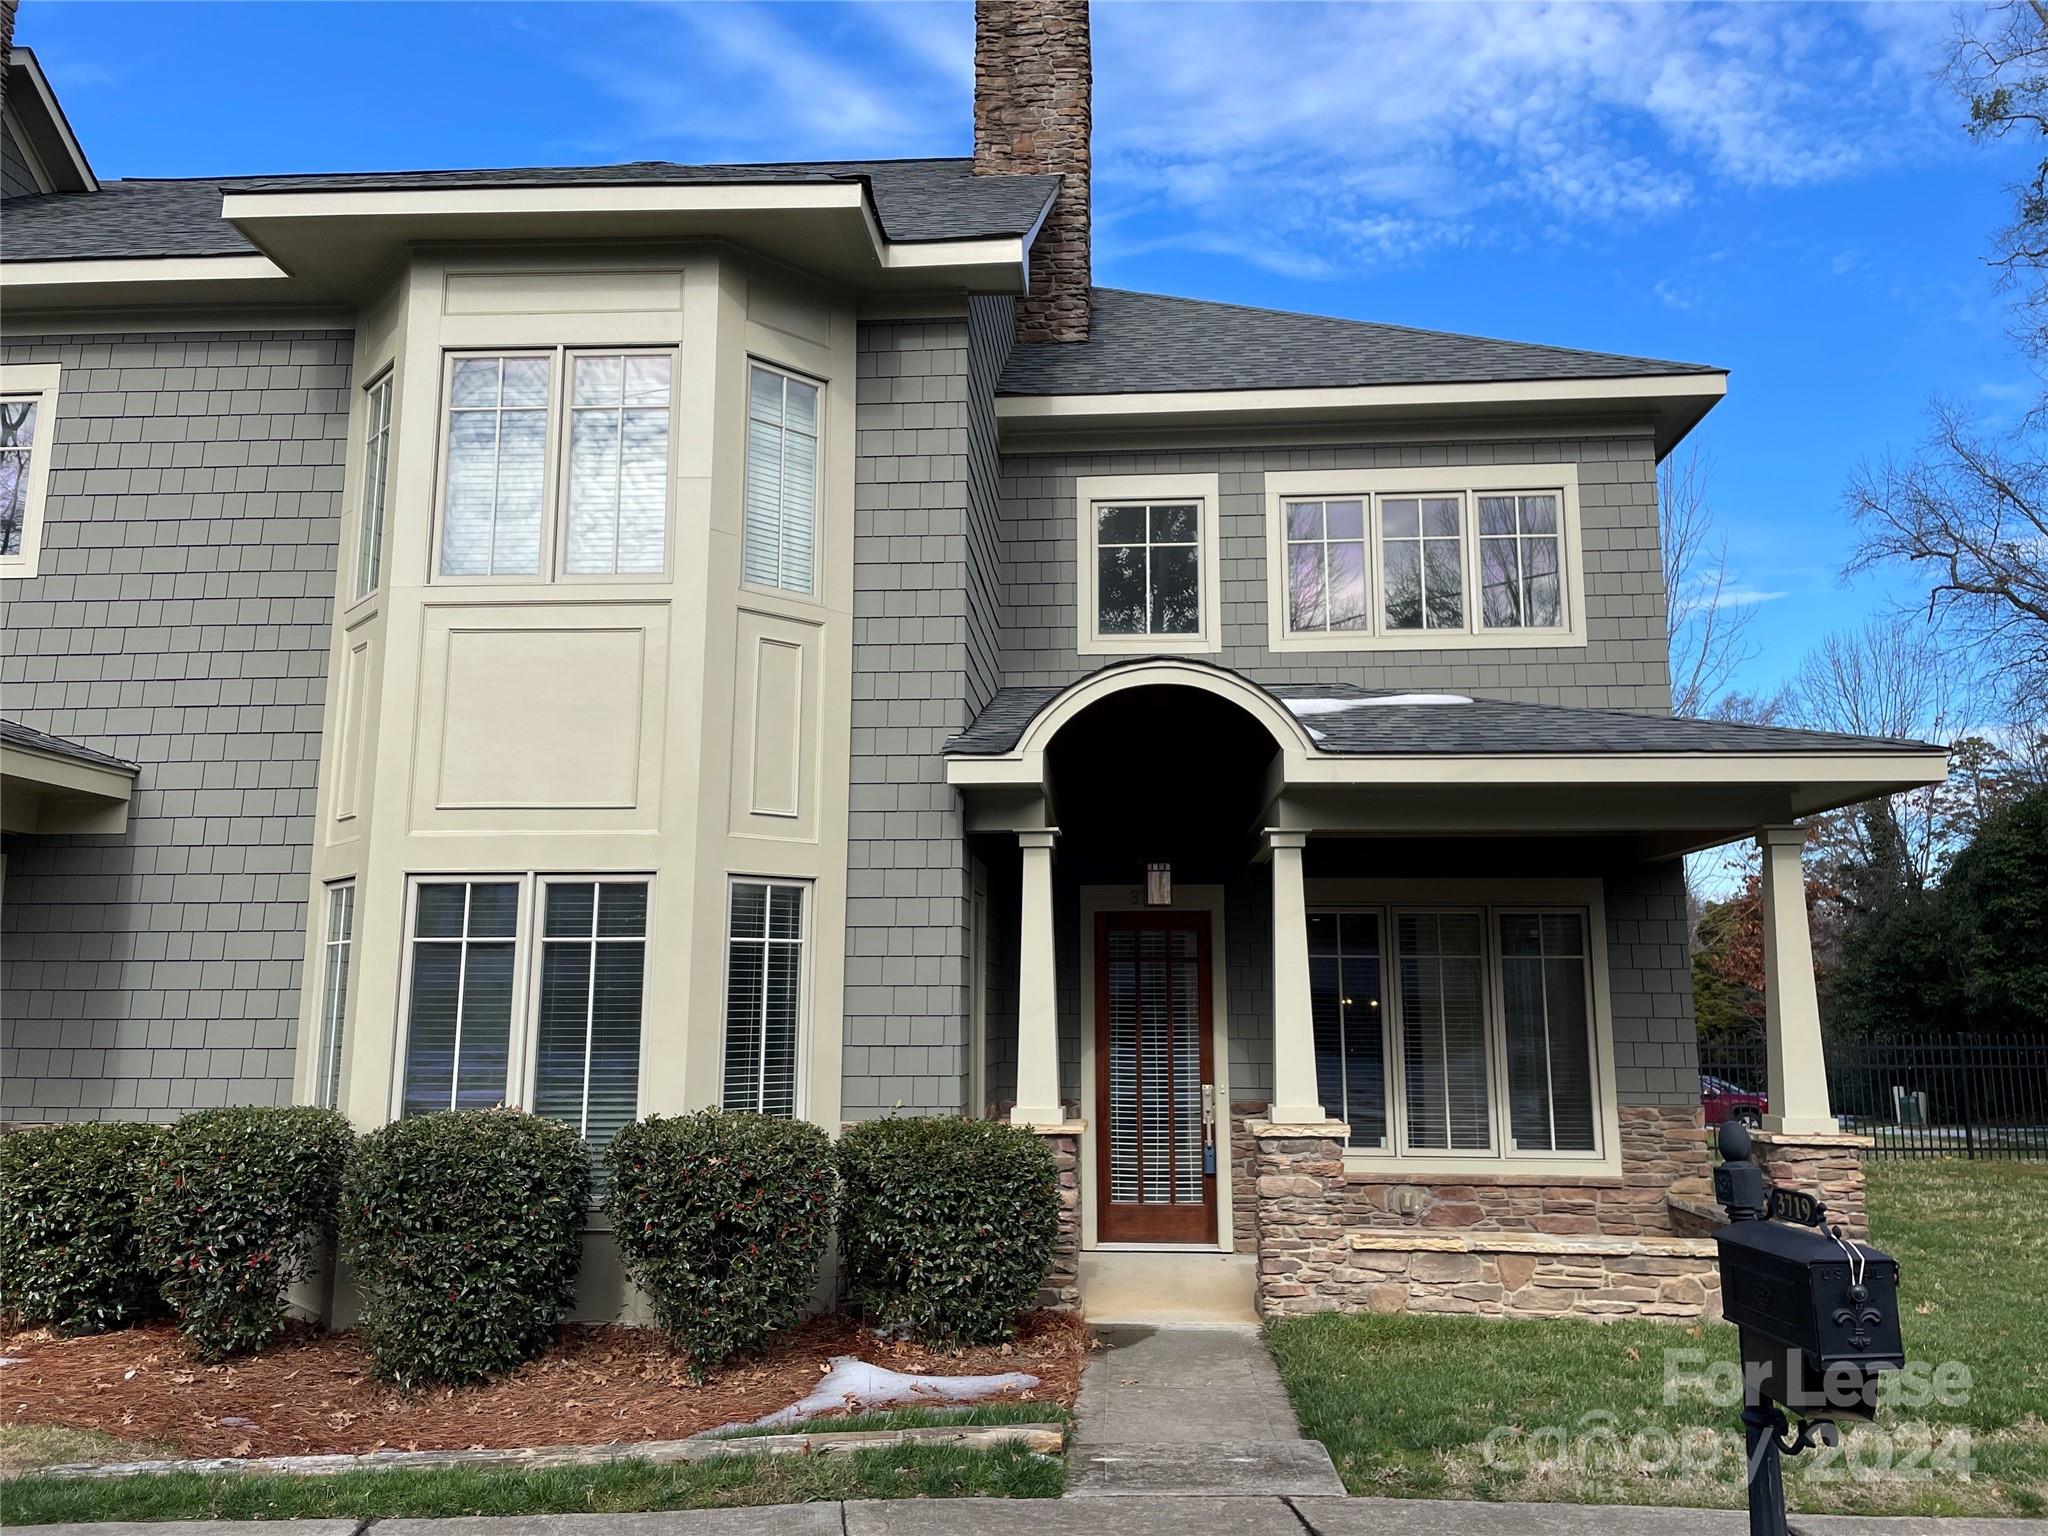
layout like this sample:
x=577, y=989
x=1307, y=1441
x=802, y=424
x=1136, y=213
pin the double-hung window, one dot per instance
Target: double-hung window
x=376, y=472
x=1457, y=1032
x=1474, y=555
x=764, y=995
x=780, y=534
x=336, y=949
x=531, y=487
x=1148, y=563
x=530, y=991
x=28, y=404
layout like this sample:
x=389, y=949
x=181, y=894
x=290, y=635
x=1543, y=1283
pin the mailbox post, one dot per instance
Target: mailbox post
x=1818, y=1315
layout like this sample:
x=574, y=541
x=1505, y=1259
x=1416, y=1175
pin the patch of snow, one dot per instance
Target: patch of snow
x=1304, y=707
x=7, y=1360
x=853, y=1384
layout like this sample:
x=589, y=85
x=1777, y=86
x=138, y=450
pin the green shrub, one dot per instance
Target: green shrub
x=946, y=1225
x=70, y=1251
x=465, y=1231
x=233, y=1210
x=721, y=1219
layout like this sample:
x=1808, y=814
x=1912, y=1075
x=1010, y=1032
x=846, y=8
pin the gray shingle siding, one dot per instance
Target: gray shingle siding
x=1656, y=1053
x=15, y=179
x=1623, y=666
x=924, y=660
x=179, y=621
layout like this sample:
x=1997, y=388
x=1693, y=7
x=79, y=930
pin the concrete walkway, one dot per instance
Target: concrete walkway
x=1182, y=1411
x=1136, y=1516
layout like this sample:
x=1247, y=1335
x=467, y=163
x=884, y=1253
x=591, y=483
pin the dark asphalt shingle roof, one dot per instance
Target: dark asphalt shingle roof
x=914, y=200
x=1480, y=727
x=15, y=734
x=1151, y=343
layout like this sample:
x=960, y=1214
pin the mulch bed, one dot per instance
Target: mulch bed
x=314, y=1392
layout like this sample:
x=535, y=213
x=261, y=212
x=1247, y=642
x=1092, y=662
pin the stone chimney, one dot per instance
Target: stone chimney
x=1032, y=81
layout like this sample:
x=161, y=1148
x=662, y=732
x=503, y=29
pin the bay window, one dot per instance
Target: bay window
x=779, y=542
x=764, y=995
x=532, y=490
x=527, y=990
x=336, y=950
x=1456, y=1032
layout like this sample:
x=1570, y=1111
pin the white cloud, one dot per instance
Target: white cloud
x=1320, y=140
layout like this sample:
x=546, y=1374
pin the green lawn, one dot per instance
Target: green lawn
x=899, y=1472
x=1406, y=1404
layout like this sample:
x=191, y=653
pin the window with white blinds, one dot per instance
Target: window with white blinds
x=780, y=533
x=336, y=949
x=1491, y=1038
x=530, y=490
x=526, y=989
x=376, y=471
x=593, y=972
x=1548, y=1028
x=464, y=945
x=1345, y=982
x=764, y=996
x=1442, y=974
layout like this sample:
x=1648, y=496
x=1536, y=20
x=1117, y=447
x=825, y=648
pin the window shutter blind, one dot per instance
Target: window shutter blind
x=1443, y=1030
x=1548, y=1023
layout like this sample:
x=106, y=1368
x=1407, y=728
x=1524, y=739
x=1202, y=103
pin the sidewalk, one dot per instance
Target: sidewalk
x=1130, y=1515
x=1180, y=1411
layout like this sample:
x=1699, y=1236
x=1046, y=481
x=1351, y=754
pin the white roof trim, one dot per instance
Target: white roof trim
x=23, y=66
x=1647, y=387
x=412, y=202
x=32, y=275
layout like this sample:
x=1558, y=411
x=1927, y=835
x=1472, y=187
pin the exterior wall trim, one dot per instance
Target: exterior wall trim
x=1269, y=402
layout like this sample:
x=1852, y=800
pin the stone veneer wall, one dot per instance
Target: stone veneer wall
x=1328, y=1241
x=1830, y=1168
x=1061, y=1289
x=1244, y=1176
x=1501, y=1245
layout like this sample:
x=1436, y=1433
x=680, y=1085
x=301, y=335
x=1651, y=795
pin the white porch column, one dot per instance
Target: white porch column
x=1798, y=1070
x=1038, y=1011
x=1295, y=1098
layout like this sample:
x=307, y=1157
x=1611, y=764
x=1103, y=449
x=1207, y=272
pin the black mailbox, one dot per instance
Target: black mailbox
x=1819, y=1317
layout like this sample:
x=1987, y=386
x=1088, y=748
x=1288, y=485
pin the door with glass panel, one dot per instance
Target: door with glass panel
x=1153, y=1080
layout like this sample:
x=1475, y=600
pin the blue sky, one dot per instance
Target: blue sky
x=1783, y=190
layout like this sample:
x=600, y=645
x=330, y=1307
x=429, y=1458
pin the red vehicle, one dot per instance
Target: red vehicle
x=1723, y=1101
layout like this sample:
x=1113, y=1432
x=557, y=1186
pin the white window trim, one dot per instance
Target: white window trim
x=43, y=381
x=1091, y=491
x=1467, y=482
x=528, y=1055
x=522, y=1048
x=1491, y=899
x=554, y=512
x=800, y=1096
x=1497, y=984
x=815, y=596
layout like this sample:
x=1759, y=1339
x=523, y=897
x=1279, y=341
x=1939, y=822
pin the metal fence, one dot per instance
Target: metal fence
x=1922, y=1095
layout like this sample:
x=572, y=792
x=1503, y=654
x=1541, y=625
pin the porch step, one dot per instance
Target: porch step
x=1185, y=1287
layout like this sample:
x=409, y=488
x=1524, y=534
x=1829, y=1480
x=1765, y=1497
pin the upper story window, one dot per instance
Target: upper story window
x=1463, y=556
x=1148, y=563
x=376, y=472
x=530, y=489
x=28, y=405
x=780, y=540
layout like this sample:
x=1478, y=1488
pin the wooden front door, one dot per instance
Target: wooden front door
x=1156, y=1179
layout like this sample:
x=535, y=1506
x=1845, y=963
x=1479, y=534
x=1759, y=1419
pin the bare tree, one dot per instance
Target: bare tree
x=1998, y=64
x=1971, y=514
x=1705, y=630
x=1889, y=678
